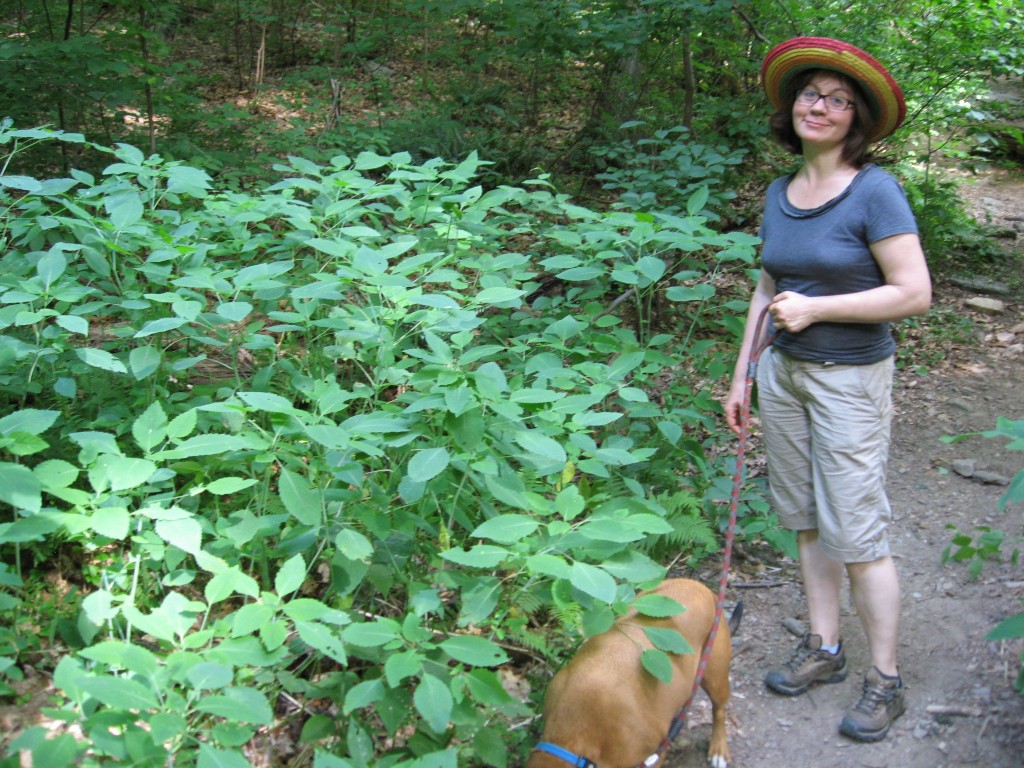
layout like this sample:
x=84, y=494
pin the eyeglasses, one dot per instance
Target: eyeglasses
x=810, y=97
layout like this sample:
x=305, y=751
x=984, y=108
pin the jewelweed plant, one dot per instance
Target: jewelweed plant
x=333, y=452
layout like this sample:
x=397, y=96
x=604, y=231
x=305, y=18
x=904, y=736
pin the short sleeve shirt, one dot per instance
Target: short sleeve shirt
x=826, y=251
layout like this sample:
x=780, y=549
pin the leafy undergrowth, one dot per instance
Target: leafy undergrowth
x=326, y=463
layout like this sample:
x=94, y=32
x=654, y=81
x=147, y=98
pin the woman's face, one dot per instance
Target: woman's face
x=818, y=124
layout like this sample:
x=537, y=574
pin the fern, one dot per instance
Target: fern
x=691, y=530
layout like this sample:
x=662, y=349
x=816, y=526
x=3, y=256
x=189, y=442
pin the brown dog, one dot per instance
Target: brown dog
x=606, y=710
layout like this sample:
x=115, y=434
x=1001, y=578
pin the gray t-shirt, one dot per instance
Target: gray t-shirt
x=824, y=251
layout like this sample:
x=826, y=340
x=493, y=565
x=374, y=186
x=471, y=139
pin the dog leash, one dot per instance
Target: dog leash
x=579, y=761
x=737, y=484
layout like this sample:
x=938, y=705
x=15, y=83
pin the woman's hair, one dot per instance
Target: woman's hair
x=855, y=146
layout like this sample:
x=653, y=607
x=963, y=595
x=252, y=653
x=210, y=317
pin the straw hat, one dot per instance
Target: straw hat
x=789, y=59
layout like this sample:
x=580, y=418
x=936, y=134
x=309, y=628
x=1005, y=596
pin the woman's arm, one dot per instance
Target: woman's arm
x=907, y=291
x=759, y=299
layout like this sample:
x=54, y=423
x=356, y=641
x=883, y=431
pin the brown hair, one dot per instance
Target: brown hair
x=855, y=145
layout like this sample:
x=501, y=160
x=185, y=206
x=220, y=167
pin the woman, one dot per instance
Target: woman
x=841, y=260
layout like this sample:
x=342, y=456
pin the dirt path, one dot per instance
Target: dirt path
x=946, y=661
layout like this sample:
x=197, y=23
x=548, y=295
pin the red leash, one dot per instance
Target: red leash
x=741, y=452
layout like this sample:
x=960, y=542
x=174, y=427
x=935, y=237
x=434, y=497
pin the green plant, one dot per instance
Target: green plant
x=988, y=544
x=331, y=441
x=924, y=342
x=952, y=240
x=974, y=550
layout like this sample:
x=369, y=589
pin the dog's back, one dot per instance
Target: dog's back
x=606, y=707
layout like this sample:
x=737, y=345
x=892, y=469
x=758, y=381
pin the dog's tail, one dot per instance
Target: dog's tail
x=734, y=618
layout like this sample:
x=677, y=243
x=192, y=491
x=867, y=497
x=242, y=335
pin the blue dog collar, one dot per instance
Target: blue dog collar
x=564, y=754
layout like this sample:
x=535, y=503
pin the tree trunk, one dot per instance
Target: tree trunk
x=148, y=87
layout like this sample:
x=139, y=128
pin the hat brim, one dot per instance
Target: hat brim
x=787, y=60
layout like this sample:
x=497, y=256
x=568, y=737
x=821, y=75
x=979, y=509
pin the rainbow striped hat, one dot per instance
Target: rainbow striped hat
x=788, y=59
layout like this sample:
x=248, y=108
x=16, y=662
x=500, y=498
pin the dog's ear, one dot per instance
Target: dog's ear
x=734, y=619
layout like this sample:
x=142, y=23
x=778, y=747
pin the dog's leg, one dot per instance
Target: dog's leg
x=716, y=685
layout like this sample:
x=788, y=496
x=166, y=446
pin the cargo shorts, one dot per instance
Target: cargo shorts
x=826, y=430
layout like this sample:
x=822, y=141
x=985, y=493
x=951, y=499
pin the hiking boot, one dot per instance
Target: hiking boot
x=881, y=703
x=808, y=666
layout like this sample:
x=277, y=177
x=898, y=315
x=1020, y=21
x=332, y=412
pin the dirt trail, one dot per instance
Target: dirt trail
x=946, y=661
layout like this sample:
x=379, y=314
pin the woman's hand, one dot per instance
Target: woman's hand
x=733, y=405
x=792, y=311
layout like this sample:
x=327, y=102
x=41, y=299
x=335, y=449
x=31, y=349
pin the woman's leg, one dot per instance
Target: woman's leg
x=822, y=577
x=876, y=593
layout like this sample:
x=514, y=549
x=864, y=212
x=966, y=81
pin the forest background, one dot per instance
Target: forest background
x=357, y=358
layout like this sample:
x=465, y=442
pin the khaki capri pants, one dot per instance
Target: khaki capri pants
x=826, y=430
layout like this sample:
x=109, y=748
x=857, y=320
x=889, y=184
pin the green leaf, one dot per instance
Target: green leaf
x=34, y=528
x=250, y=618
x=73, y=324
x=699, y=292
x=363, y=695
x=1008, y=629
x=225, y=486
x=570, y=502
x=372, y=634
x=549, y=565
x=187, y=180
x=120, y=473
x=20, y=488
x=117, y=653
x=697, y=201
x=610, y=529
x=45, y=749
x=24, y=444
x=309, y=609
x=210, y=676
x=303, y=502
x=291, y=575
x=658, y=664
x=500, y=295
x=323, y=639
x=144, y=361
x=243, y=705
x=119, y=692
x=209, y=444
x=480, y=556
x=55, y=474
x=267, y=401
x=354, y=545
x=433, y=700
x=479, y=600
x=211, y=757
x=112, y=522
x=124, y=208
x=185, y=533
x=234, y=311
x=32, y=421
x=593, y=581
x=160, y=325
x=541, y=447
x=581, y=274
x=1015, y=491
x=427, y=464
x=150, y=428
x=100, y=358
x=657, y=606
x=230, y=582
x=651, y=267
x=668, y=640
x=474, y=651
x=506, y=529
x=400, y=666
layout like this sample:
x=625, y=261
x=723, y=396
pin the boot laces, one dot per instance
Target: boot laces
x=802, y=653
x=874, y=696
